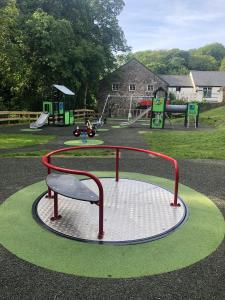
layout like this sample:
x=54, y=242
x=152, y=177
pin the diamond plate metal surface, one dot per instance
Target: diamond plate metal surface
x=133, y=210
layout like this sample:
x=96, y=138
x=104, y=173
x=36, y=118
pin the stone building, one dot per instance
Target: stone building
x=128, y=85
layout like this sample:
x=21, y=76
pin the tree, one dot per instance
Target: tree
x=202, y=63
x=175, y=61
x=13, y=67
x=172, y=61
x=72, y=42
x=222, y=66
x=215, y=50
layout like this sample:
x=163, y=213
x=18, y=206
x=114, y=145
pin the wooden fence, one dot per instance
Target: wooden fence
x=18, y=117
x=81, y=113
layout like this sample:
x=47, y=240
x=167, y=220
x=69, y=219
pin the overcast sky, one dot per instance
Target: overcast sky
x=166, y=24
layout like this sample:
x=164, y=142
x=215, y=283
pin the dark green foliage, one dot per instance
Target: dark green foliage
x=215, y=50
x=177, y=62
x=69, y=42
x=202, y=63
x=222, y=66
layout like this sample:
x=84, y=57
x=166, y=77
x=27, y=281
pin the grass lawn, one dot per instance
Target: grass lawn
x=186, y=144
x=9, y=141
x=214, y=117
x=205, y=144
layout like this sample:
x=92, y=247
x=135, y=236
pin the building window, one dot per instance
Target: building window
x=207, y=92
x=115, y=87
x=132, y=87
x=150, y=88
x=178, y=88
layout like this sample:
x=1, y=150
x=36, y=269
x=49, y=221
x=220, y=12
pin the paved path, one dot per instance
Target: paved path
x=203, y=280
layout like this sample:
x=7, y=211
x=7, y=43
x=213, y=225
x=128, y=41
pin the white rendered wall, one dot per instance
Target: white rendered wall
x=189, y=94
x=217, y=95
x=185, y=93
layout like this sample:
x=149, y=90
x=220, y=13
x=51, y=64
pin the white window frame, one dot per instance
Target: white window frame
x=207, y=92
x=150, y=87
x=133, y=85
x=115, y=87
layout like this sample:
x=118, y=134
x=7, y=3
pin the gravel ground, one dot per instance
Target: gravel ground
x=22, y=280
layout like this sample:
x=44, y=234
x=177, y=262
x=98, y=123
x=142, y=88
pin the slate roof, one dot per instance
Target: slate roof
x=177, y=80
x=208, y=78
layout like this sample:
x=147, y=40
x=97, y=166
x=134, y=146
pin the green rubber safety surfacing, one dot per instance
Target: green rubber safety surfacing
x=102, y=130
x=30, y=130
x=117, y=126
x=90, y=142
x=196, y=239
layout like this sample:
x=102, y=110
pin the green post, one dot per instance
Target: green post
x=47, y=107
x=158, y=113
x=67, y=118
x=71, y=117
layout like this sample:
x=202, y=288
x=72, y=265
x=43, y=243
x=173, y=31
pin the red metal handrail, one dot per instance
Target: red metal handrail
x=47, y=162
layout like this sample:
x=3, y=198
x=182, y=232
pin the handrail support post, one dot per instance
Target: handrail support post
x=117, y=163
x=101, y=215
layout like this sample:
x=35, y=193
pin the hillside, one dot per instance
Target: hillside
x=177, y=62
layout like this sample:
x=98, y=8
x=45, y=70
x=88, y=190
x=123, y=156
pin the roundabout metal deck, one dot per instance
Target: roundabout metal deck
x=134, y=212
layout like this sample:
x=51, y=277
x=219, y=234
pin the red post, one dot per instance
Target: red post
x=49, y=171
x=55, y=205
x=101, y=214
x=117, y=163
x=176, y=185
x=56, y=212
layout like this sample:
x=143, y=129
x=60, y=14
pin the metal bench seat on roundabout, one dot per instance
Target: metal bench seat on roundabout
x=69, y=186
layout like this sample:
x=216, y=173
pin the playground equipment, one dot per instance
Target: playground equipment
x=160, y=111
x=85, y=130
x=40, y=121
x=134, y=101
x=192, y=114
x=100, y=122
x=141, y=115
x=125, y=211
x=61, y=107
